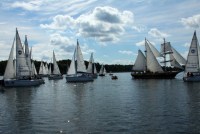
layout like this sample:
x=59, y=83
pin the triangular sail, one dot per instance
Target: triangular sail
x=34, y=72
x=192, y=64
x=152, y=63
x=49, y=70
x=10, y=69
x=140, y=62
x=28, y=54
x=22, y=68
x=42, y=68
x=79, y=58
x=154, y=50
x=90, y=64
x=56, y=69
x=102, y=69
x=95, y=70
x=178, y=57
x=72, y=69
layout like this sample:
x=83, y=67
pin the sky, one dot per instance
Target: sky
x=113, y=30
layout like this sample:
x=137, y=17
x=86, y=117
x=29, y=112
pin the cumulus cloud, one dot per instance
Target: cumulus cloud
x=122, y=61
x=60, y=22
x=125, y=52
x=31, y=6
x=154, y=32
x=191, y=22
x=103, y=23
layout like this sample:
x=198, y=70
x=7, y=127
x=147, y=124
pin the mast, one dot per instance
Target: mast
x=145, y=51
x=164, y=55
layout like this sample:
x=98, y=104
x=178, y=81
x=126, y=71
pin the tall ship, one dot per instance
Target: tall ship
x=148, y=66
x=192, y=67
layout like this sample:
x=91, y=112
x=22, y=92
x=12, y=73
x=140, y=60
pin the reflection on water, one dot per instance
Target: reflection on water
x=103, y=106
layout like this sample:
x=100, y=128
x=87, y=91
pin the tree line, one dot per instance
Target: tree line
x=64, y=65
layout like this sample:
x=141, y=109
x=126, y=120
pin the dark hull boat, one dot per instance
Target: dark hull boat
x=149, y=75
x=149, y=68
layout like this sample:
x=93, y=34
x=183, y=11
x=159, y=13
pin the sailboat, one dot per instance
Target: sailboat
x=91, y=70
x=192, y=67
x=43, y=70
x=56, y=71
x=102, y=71
x=17, y=72
x=77, y=70
x=149, y=68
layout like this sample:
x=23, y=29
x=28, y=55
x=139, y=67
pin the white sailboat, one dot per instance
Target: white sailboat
x=56, y=71
x=91, y=67
x=77, y=70
x=43, y=72
x=149, y=68
x=18, y=73
x=102, y=71
x=192, y=67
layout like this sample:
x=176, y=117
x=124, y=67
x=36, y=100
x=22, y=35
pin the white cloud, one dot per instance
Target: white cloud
x=31, y=6
x=141, y=43
x=191, y=22
x=103, y=23
x=154, y=32
x=126, y=52
x=60, y=22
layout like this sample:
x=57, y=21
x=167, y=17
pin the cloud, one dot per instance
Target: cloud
x=125, y=52
x=60, y=22
x=31, y=6
x=154, y=32
x=191, y=22
x=187, y=45
x=105, y=24
x=122, y=62
x=141, y=43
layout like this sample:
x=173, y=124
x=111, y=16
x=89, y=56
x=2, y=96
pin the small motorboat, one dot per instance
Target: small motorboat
x=114, y=77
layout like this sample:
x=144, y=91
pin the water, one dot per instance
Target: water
x=103, y=106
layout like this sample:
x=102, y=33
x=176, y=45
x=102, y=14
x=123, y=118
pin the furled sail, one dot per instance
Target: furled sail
x=140, y=62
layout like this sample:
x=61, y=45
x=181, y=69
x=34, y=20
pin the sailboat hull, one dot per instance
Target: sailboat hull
x=79, y=78
x=55, y=77
x=149, y=75
x=195, y=78
x=22, y=83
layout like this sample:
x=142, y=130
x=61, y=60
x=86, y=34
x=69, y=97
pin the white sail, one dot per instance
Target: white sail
x=34, y=72
x=56, y=69
x=95, y=70
x=22, y=68
x=27, y=54
x=178, y=57
x=72, y=69
x=49, y=70
x=79, y=58
x=140, y=62
x=10, y=69
x=154, y=50
x=152, y=63
x=90, y=64
x=192, y=64
x=101, y=69
x=46, y=69
x=175, y=56
x=42, y=68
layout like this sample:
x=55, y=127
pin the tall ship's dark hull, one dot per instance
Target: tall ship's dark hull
x=150, y=75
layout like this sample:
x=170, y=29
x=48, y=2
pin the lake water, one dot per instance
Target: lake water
x=103, y=106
